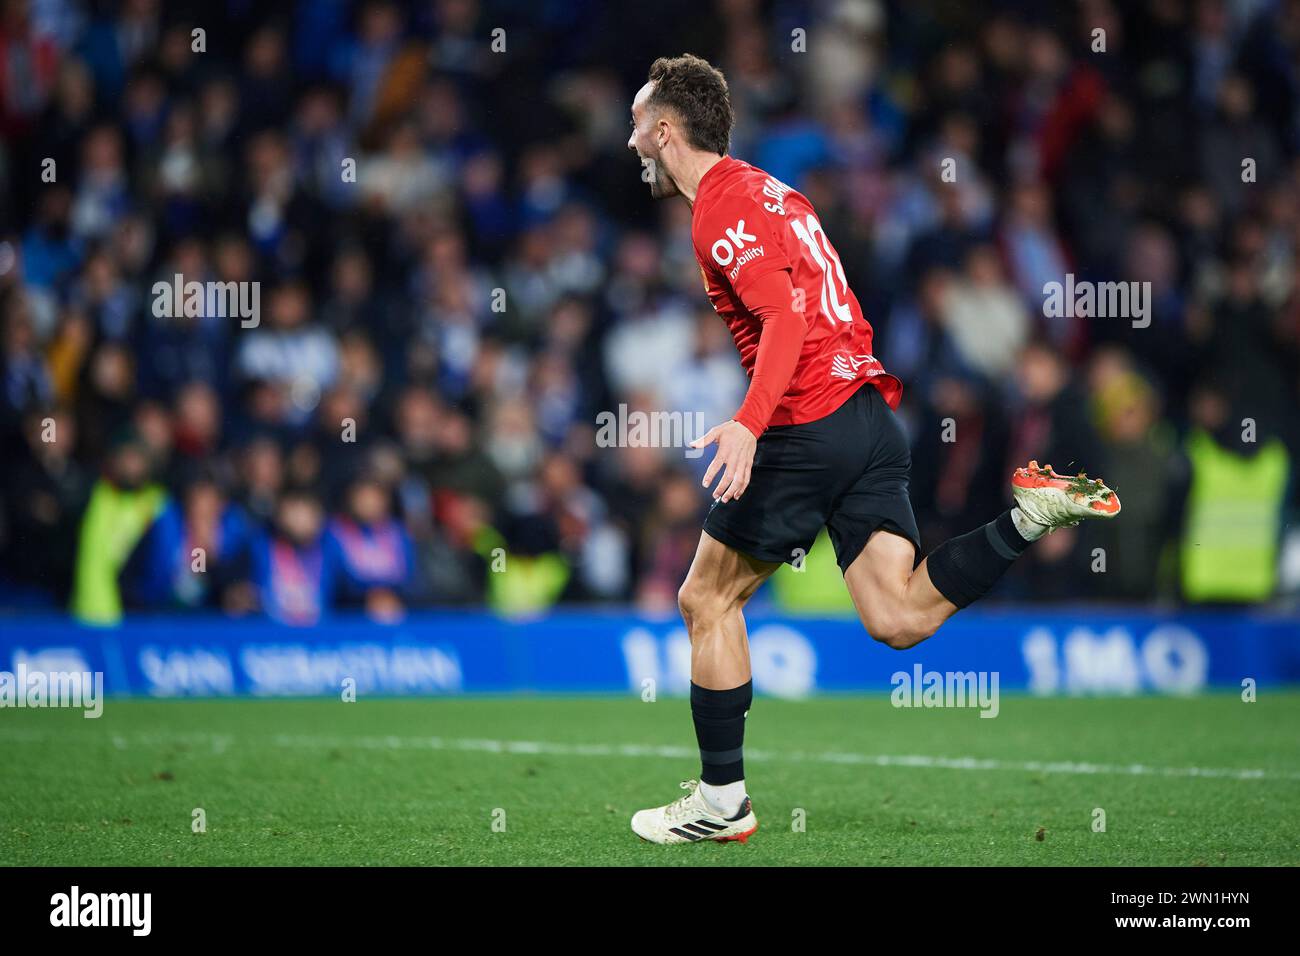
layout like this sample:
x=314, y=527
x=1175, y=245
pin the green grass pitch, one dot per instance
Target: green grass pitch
x=1182, y=781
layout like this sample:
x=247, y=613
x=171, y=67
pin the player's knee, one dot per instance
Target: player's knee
x=700, y=605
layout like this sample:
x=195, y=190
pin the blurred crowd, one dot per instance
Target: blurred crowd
x=460, y=268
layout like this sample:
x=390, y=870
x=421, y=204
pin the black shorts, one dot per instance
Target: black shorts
x=847, y=471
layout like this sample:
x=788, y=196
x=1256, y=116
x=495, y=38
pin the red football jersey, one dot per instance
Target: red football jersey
x=746, y=224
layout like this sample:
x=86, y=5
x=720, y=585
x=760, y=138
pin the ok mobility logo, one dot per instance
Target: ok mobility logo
x=724, y=250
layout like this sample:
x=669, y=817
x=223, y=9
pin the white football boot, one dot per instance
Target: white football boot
x=1055, y=501
x=691, y=818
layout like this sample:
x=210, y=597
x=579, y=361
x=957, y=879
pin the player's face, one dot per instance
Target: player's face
x=648, y=133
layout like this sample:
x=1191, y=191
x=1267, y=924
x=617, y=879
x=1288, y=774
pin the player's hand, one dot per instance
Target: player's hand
x=736, y=445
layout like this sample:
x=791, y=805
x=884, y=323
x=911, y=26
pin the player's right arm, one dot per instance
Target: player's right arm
x=745, y=248
x=771, y=299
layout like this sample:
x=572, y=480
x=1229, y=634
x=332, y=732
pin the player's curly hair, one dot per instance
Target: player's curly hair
x=697, y=92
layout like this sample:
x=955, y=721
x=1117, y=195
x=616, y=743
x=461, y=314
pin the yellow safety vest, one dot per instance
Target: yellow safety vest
x=818, y=588
x=520, y=585
x=1233, y=519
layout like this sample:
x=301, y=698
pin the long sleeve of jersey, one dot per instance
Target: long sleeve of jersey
x=770, y=298
x=762, y=252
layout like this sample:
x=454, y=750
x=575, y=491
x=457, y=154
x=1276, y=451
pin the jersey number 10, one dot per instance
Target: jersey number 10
x=812, y=235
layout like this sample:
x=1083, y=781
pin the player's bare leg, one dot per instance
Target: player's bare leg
x=898, y=606
x=717, y=587
x=712, y=600
x=901, y=607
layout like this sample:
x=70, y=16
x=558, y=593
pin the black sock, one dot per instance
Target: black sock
x=720, y=730
x=966, y=567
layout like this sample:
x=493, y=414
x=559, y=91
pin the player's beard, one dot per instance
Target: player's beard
x=662, y=185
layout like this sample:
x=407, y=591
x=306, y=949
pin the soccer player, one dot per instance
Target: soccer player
x=814, y=444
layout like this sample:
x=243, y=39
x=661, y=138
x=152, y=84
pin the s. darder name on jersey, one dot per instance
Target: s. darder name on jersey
x=775, y=190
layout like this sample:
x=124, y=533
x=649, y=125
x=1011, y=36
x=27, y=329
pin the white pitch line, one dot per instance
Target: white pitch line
x=923, y=761
x=220, y=743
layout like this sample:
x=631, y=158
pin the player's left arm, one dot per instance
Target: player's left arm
x=770, y=297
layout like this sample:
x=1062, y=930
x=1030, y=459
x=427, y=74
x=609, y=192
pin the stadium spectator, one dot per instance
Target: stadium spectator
x=44, y=492
x=1141, y=458
x=293, y=572
x=371, y=550
x=123, y=504
x=1238, y=483
x=195, y=555
x=452, y=251
x=668, y=545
